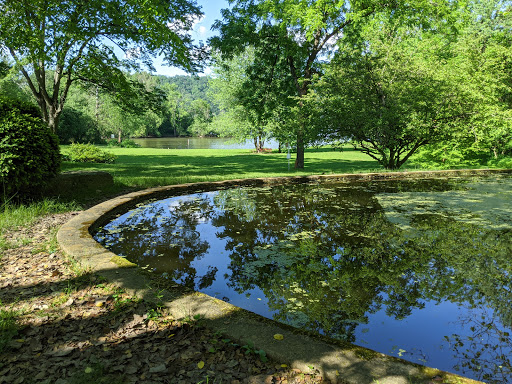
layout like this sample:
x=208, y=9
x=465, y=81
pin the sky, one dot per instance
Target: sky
x=202, y=31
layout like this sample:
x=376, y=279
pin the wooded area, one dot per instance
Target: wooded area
x=393, y=79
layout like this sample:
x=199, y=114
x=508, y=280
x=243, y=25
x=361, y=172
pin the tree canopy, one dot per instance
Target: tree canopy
x=55, y=43
x=292, y=38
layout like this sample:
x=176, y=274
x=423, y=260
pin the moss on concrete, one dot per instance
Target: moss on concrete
x=122, y=262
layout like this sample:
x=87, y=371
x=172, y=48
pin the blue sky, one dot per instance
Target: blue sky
x=202, y=31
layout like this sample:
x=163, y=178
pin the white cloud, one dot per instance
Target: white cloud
x=197, y=21
x=202, y=30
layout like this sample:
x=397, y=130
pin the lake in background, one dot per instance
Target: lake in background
x=199, y=143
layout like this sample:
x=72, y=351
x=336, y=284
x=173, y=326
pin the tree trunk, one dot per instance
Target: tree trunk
x=299, y=160
x=119, y=136
x=53, y=122
x=260, y=144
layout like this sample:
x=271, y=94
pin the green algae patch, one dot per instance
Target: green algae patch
x=121, y=262
x=486, y=203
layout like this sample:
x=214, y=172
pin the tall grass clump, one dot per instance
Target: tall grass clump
x=8, y=327
x=14, y=215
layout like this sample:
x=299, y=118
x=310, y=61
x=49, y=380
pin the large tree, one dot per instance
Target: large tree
x=390, y=91
x=292, y=37
x=246, y=105
x=55, y=43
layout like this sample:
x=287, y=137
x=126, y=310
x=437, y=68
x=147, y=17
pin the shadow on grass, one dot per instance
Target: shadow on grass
x=176, y=166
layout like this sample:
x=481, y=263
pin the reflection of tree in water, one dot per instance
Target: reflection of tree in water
x=164, y=237
x=326, y=269
x=326, y=257
x=315, y=253
x=480, y=353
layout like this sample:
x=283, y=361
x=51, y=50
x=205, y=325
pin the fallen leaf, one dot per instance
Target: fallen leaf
x=158, y=368
x=278, y=336
x=200, y=365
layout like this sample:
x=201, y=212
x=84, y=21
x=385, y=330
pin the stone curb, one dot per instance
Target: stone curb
x=337, y=361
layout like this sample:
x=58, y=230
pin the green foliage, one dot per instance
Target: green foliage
x=246, y=107
x=123, y=144
x=479, y=60
x=505, y=162
x=77, y=126
x=78, y=43
x=292, y=40
x=29, y=152
x=8, y=327
x=250, y=349
x=88, y=153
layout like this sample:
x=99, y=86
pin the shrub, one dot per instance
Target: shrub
x=29, y=151
x=503, y=162
x=123, y=144
x=88, y=153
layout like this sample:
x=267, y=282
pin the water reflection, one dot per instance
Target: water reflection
x=425, y=277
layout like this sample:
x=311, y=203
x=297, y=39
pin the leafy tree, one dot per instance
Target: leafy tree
x=293, y=38
x=202, y=113
x=389, y=92
x=56, y=43
x=181, y=105
x=243, y=109
x=76, y=126
x=481, y=62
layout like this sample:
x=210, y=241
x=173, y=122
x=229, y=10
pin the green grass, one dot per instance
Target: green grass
x=8, y=327
x=149, y=167
x=16, y=215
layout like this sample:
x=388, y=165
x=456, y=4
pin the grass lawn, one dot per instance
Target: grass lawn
x=149, y=167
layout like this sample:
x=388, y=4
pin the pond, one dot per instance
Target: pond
x=418, y=269
x=198, y=143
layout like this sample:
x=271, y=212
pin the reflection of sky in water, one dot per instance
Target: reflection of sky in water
x=253, y=300
x=355, y=263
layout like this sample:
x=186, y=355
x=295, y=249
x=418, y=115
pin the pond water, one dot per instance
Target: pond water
x=198, y=143
x=417, y=269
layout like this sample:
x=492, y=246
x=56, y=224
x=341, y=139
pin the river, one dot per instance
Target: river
x=199, y=143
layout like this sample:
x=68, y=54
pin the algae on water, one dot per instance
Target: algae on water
x=487, y=203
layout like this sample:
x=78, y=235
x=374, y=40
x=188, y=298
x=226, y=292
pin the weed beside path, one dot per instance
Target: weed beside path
x=60, y=324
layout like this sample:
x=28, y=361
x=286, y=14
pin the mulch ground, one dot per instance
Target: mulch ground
x=75, y=327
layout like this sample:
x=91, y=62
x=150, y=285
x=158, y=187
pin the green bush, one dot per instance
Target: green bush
x=503, y=162
x=88, y=153
x=123, y=144
x=29, y=151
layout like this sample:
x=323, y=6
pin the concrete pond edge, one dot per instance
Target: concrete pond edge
x=337, y=361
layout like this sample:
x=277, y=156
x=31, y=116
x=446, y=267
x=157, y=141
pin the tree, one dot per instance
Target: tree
x=292, y=38
x=202, y=114
x=56, y=43
x=244, y=109
x=389, y=92
x=481, y=62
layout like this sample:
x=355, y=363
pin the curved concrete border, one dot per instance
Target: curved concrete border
x=337, y=361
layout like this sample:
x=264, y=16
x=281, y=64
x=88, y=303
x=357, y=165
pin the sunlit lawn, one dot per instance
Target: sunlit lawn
x=147, y=167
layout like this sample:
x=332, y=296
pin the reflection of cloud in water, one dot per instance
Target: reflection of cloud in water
x=487, y=203
x=191, y=204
